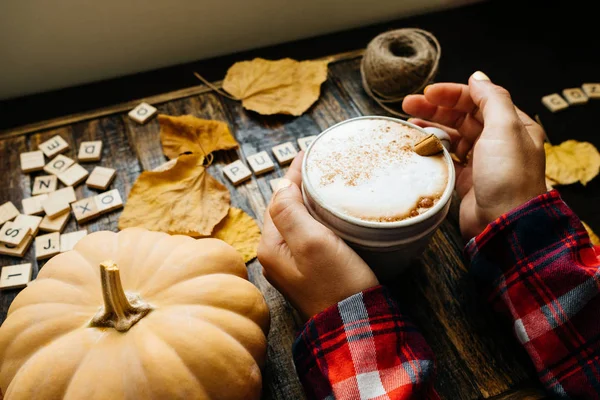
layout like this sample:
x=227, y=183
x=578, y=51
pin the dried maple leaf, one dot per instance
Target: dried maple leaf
x=276, y=87
x=189, y=134
x=241, y=231
x=572, y=161
x=184, y=199
x=593, y=237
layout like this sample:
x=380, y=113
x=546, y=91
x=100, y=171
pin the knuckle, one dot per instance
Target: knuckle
x=500, y=91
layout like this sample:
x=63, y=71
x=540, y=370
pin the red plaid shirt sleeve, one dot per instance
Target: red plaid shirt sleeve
x=543, y=273
x=364, y=348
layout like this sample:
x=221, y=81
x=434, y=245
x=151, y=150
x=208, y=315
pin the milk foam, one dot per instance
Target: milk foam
x=367, y=169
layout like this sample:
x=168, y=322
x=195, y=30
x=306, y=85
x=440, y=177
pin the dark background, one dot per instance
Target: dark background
x=532, y=48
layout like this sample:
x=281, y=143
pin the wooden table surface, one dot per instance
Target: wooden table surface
x=477, y=356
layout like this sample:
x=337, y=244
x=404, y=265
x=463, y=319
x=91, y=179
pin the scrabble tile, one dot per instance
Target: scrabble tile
x=73, y=176
x=554, y=102
x=44, y=184
x=8, y=211
x=31, y=221
x=285, y=153
x=304, y=142
x=260, y=163
x=59, y=164
x=69, y=240
x=67, y=194
x=101, y=178
x=33, y=205
x=54, y=206
x=108, y=201
x=15, y=276
x=56, y=224
x=47, y=246
x=142, y=113
x=575, y=96
x=237, y=172
x=13, y=234
x=16, y=251
x=90, y=151
x=85, y=209
x=32, y=161
x=54, y=146
x=592, y=90
x=275, y=184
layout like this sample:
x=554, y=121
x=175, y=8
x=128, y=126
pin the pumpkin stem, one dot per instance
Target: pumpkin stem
x=121, y=310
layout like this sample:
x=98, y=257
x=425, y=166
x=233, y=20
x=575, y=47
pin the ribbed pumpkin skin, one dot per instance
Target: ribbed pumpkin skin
x=205, y=338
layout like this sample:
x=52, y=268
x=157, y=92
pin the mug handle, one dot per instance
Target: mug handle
x=440, y=134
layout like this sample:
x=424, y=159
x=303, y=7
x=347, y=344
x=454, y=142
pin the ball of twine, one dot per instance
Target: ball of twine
x=399, y=63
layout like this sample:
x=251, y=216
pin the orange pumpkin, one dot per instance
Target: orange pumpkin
x=171, y=318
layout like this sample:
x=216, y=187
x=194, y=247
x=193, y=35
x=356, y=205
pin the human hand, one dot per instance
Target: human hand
x=311, y=266
x=507, y=165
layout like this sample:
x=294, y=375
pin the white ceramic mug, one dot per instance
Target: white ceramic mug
x=388, y=247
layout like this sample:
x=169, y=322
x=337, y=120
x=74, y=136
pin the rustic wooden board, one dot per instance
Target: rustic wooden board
x=476, y=354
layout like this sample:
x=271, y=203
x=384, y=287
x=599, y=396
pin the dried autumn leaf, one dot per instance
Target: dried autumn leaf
x=189, y=134
x=572, y=161
x=276, y=87
x=593, y=237
x=240, y=231
x=184, y=199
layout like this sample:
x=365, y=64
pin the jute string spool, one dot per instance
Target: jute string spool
x=399, y=63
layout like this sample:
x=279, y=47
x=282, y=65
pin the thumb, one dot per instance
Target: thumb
x=291, y=218
x=495, y=107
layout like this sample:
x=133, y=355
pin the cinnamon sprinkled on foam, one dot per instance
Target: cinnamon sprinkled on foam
x=367, y=169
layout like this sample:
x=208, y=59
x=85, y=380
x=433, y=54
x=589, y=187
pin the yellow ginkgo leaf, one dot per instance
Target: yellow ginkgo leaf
x=183, y=199
x=593, y=237
x=240, y=231
x=572, y=161
x=189, y=134
x=276, y=87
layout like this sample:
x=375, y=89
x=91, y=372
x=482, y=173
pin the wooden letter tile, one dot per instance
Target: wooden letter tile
x=33, y=205
x=575, y=96
x=54, y=146
x=261, y=163
x=44, y=184
x=85, y=209
x=16, y=251
x=47, y=246
x=56, y=224
x=15, y=276
x=32, y=161
x=13, y=234
x=59, y=164
x=69, y=240
x=108, y=201
x=237, y=172
x=31, y=221
x=554, y=102
x=54, y=206
x=65, y=194
x=8, y=211
x=90, y=151
x=142, y=113
x=73, y=176
x=285, y=153
x=101, y=178
x=592, y=90
x=306, y=141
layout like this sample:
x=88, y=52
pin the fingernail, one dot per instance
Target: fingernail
x=426, y=89
x=480, y=76
x=282, y=185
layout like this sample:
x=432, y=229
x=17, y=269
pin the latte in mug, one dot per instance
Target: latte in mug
x=362, y=179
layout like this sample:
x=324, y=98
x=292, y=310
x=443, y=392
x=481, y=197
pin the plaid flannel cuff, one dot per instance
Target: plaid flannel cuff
x=353, y=348
x=543, y=224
